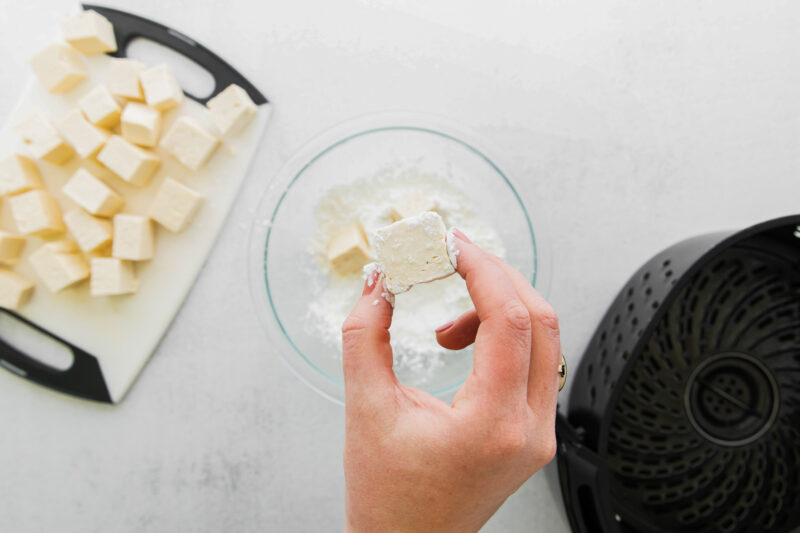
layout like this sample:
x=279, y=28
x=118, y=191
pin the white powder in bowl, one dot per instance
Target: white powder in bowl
x=417, y=312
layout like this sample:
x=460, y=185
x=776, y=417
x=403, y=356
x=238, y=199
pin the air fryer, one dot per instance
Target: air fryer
x=684, y=413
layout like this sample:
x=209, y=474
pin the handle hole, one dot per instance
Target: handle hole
x=194, y=79
x=35, y=344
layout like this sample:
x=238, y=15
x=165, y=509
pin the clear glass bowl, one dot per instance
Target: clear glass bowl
x=285, y=224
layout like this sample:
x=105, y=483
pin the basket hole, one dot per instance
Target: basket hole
x=586, y=501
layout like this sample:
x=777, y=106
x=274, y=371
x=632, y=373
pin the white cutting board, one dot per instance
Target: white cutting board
x=123, y=331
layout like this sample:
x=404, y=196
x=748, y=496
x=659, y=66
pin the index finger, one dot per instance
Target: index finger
x=503, y=341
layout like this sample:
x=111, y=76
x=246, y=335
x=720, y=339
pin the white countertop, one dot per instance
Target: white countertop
x=628, y=126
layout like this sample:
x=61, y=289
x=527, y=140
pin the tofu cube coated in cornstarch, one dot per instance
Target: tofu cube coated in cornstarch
x=90, y=32
x=349, y=250
x=140, y=124
x=93, y=195
x=232, y=109
x=100, y=107
x=160, y=87
x=413, y=250
x=10, y=247
x=133, y=238
x=84, y=137
x=189, y=143
x=59, y=264
x=58, y=67
x=123, y=78
x=131, y=163
x=90, y=232
x=36, y=212
x=43, y=139
x=15, y=290
x=175, y=205
x=18, y=174
x=112, y=277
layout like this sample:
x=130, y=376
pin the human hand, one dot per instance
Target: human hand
x=414, y=463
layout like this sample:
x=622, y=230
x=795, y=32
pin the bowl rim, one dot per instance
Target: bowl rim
x=310, y=152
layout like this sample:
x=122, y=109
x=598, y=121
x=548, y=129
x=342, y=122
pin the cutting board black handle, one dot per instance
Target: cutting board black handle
x=83, y=378
x=128, y=27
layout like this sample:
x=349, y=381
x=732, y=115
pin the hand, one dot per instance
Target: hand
x=414, y=463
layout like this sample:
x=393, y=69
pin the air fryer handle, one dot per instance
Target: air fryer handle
x=83, y=378
x=128, y=27
x=578, y=469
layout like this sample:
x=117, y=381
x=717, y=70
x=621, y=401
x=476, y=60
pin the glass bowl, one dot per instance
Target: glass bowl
x=280, y=258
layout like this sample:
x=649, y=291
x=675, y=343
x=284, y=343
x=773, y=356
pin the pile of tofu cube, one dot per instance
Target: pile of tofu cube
x=116, y=124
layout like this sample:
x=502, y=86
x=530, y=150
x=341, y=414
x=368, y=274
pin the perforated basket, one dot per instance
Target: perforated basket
x=684, y=413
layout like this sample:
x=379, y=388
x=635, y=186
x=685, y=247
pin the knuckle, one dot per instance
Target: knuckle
x=517, y=316
x=353, y=324
x=548, y=318
x=546, y=450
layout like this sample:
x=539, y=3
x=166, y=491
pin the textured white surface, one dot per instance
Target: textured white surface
x=632, y=124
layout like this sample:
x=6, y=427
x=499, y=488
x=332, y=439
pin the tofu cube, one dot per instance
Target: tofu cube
x=43, y=139
x=348, y=251
x=59, y=68
x=131, y=163
x=18, y=174
x=59, y=264
x=410, y=204
x=232, y=109
x=10, y=247
x=161, y=90
x=412, y=251
x=85, y=138
x=15, y=290
x=189, y=143
x=93, y=195
x=140, y=124
x=174, y=205
x=90, y=32
x=90, y=232
x=36, y=212
x=112, y=277
x=100, y=107
x=123, y=78
x=133, y=238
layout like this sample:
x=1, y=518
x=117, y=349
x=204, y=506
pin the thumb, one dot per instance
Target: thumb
x=366, y=353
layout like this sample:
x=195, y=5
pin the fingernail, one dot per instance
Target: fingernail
x=372, y=272
x=460, y=234
x=445, y=326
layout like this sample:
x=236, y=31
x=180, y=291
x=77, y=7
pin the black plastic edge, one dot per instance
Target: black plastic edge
x=128, y=27
x=83, y=378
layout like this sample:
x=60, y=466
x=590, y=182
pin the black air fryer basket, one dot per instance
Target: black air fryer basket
x=684, y=414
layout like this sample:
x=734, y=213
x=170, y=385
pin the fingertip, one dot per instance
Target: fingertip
x=460, y=235
x=460, y=333
x=372, y=272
